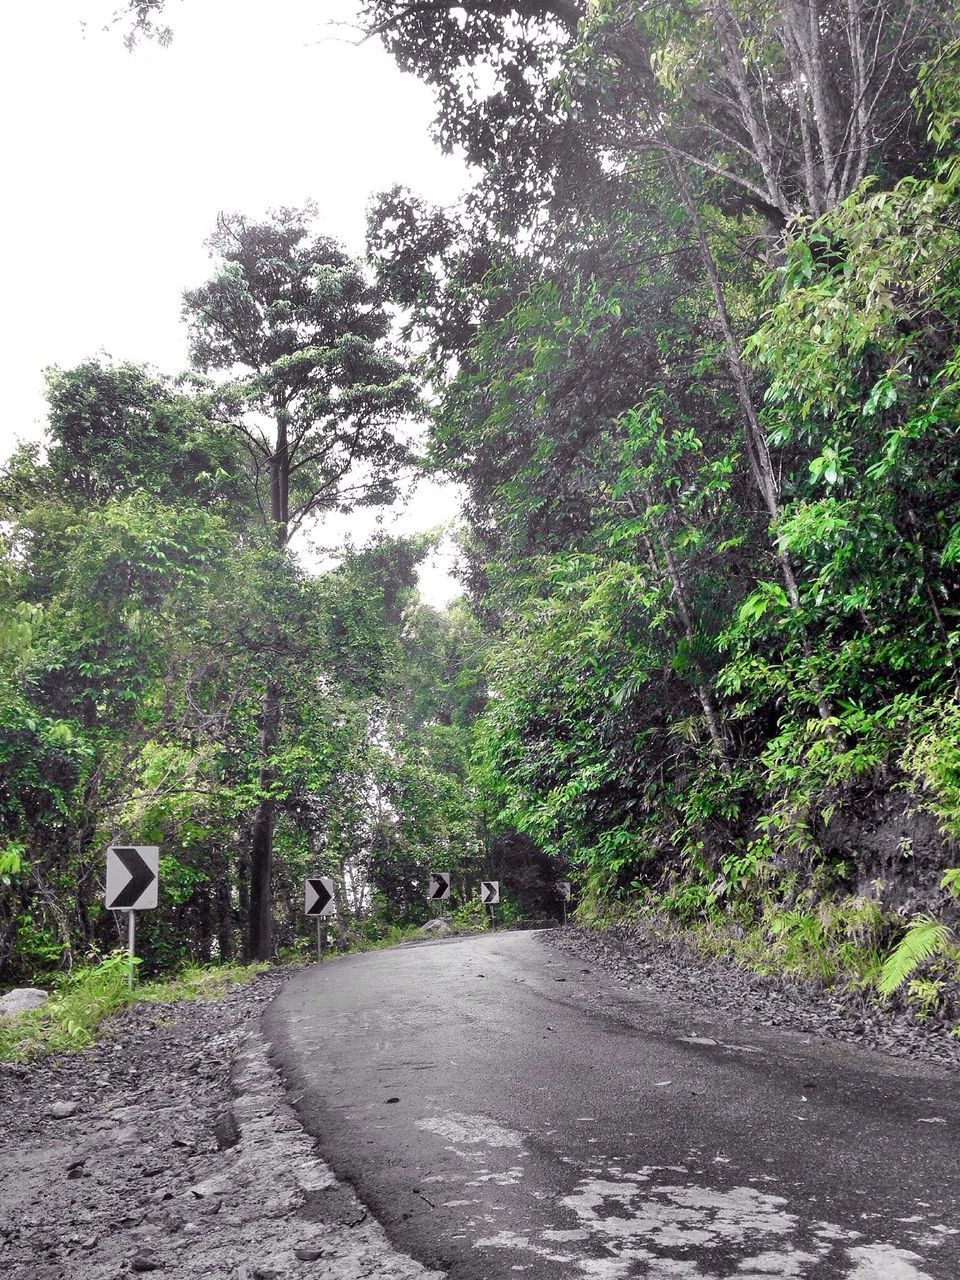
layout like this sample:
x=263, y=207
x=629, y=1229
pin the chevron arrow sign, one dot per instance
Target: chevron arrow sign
x=318, y=899
x=563, y=888
x=489, y=892
x=438, y=889
x=133, y=877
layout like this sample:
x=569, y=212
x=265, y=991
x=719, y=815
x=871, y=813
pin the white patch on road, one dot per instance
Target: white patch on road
x=641, y=1228
x=470, y=1130
x=504, y=1178
x=830, y=1231
x=678, y=1217
x=884, y=1262
x=789, y=1263
x=513, y=1240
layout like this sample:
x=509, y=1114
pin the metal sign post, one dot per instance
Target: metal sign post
x=131, y=945
x=133, y=881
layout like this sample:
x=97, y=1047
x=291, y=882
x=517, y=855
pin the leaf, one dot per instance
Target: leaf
x=925, y=937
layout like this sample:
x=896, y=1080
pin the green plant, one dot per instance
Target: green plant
x=924, y=995
x=470, y=915
x=85, y=998
x=924, y=938
x=690, y=901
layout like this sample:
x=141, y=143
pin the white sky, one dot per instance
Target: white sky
x=117, y=163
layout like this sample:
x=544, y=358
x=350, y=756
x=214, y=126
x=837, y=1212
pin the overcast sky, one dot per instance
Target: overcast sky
x=117, y=163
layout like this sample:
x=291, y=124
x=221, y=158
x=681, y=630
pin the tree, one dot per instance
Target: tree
x=307, y=378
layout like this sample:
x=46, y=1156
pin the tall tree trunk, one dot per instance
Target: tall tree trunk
x=243, y=897
x=224, y=917
x=758, y=451
x=260, y=921
x=204, y=923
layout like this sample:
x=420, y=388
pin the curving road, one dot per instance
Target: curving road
x=505, y=1111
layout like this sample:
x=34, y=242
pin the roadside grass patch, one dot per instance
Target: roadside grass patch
x=85, y=998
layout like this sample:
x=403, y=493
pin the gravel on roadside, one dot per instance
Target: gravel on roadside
x=644, y=957
x=169, y=1149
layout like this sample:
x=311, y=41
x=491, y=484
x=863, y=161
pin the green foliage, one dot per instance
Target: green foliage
x=470, y=915
x=924, y=938
x=86, y=997
x=830, y=943
x=704, y=405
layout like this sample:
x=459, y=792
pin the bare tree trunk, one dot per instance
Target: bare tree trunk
x=243, y=896
x=729, y=38
x=205, y=923
x=260, y=922
x=224, y=917
x=758, y=451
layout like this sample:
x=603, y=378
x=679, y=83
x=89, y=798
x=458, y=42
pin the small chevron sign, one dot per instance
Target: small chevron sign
x=489, y=892
x=438, y=890
x=133, y=876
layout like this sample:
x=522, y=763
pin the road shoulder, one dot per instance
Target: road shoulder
x=170, y=1148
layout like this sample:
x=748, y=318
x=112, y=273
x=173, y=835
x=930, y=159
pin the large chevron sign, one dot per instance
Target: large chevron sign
x=318, y=897
x=133, y=877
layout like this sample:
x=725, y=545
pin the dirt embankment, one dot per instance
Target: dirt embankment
x=649, y=958
x=169, y=1149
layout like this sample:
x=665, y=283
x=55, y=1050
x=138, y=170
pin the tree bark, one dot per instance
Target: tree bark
x=224, y=917
x=260, y=922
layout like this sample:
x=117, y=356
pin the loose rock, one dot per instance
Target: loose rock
x=61, y=1110
x=21, y=1000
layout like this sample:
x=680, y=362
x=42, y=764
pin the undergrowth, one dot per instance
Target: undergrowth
x=848, y=945
x=84, y=998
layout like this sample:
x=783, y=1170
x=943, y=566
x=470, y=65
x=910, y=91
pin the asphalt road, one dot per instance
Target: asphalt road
x=506, y=1112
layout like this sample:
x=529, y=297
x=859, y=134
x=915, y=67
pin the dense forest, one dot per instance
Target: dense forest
x=691, y=348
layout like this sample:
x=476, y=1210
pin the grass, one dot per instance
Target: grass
x=86, y=997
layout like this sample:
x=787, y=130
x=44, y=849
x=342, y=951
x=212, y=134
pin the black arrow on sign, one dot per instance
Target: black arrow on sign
x=488, y=890
x=323, y=896
x=141, y=878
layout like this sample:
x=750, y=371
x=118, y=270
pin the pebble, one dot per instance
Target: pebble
x=145, y=1262
x=61, y=1110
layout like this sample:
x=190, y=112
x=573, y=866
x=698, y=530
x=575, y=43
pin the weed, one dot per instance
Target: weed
x=84, y=998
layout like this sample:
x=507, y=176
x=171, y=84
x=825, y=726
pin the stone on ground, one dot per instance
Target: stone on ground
x=22, y=999
x=437, y=928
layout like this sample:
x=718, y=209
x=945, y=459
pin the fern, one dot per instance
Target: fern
x=925, y=937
